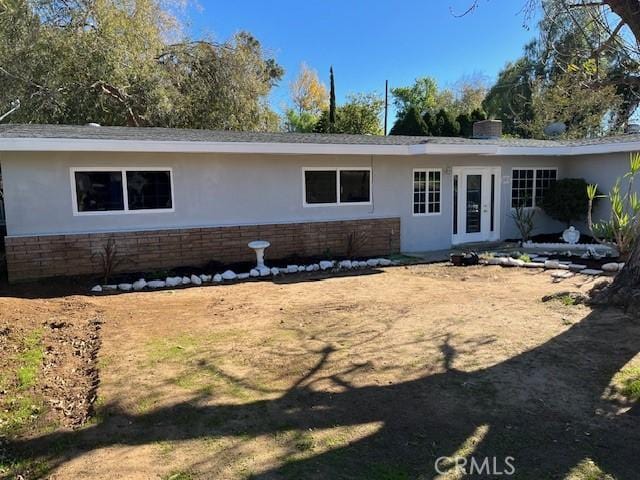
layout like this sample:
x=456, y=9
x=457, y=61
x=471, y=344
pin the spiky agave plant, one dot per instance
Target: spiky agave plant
x=623, y=226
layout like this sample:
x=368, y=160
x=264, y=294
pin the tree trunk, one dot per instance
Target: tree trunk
x=629, y=12
x=624, y=291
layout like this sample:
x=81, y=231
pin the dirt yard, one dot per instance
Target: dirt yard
x=371, y=376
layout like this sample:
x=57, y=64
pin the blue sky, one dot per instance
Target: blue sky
x=368, y=41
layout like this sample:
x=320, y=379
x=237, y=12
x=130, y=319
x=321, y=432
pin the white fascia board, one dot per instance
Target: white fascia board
x=85, y=145
x=88, y=145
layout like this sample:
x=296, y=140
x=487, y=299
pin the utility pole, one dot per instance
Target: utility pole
x=386, y=104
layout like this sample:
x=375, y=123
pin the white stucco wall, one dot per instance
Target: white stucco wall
x=232, y=189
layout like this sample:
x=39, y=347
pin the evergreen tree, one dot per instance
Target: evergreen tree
x=411, y=123
x=332, y=101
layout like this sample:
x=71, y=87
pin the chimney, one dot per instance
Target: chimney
x=487, y=129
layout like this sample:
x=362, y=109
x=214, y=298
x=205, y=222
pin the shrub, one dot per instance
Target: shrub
x=566, y=200
x=523, y=217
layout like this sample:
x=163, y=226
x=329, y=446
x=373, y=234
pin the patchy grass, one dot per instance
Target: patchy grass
x=20, y=406
x=629, y=381
x=588, y=470
x=172, y=349
x=30, y=360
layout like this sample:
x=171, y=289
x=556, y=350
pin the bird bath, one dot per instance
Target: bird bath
x=259, y=246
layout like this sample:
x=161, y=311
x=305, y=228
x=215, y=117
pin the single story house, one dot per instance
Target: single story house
x=171, y=197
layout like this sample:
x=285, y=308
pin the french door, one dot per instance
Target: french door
x=476, y=204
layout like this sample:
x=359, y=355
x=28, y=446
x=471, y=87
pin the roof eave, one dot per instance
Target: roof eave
x=110, y=145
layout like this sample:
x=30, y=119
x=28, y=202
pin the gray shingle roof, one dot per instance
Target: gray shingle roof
x=192, y=135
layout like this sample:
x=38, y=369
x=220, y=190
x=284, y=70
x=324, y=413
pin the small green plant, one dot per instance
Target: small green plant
x=525, y=258
x=621, y=230
x=524, y=219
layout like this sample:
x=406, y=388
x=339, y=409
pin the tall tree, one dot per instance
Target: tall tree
x=117, y=62
x=332, y=100
x=360, y=115
x=308, y=93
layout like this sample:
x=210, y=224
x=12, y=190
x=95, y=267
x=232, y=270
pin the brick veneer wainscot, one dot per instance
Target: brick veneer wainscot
x=34, y=257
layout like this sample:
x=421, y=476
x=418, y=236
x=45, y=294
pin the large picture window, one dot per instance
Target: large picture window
x=426, y=192
x=121, y=190
x=336, y=186
x=528, y=185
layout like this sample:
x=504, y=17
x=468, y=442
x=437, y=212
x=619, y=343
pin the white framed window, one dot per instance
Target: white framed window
x=118, y=190
x=528, y=185
x=333, y=186
x=427, y=185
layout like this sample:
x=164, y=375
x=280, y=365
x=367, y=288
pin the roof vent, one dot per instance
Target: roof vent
x=632, y=128
x=92, y=124
x=487, y=129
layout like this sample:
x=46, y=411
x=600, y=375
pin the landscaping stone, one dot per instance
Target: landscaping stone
x=229, y=275
x=534, y=264
x=243, y=276
x=109, y=287
x=496, y=260
x=551, y=264
x=611, y=267
x=264, y=271
x=592, y=271
x=385, y=262
x=362, y=264
x=196, y=280
x=156, y=284
x=514, y=262
x=139, y=284
x=345, y=264
x=125, y=287
x=373, y=262
x=576, y=267
x=292, y=268
x=217, y=278
x=561, y=274
x=173, y=281
x=254, y=273
x=275, y=271
x=326, y=264
x=186, y=280
x=309, y=268
x=96, y=289
x=316, y=267
x=621, y=266
x=539, y=258
x=205, y=278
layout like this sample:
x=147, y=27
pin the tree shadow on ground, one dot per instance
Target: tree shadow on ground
x=543, y=407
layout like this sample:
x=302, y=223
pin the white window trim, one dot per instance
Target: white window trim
x=413, y=176
x=337, y=203
x=535, y=177
x=125, y=193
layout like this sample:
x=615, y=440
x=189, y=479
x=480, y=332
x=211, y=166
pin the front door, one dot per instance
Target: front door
x=476, y=202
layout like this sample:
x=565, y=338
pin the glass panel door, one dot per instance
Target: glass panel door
x=474, y=203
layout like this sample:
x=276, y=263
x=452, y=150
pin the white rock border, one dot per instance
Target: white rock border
x=552, y=266
x=231, y=276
